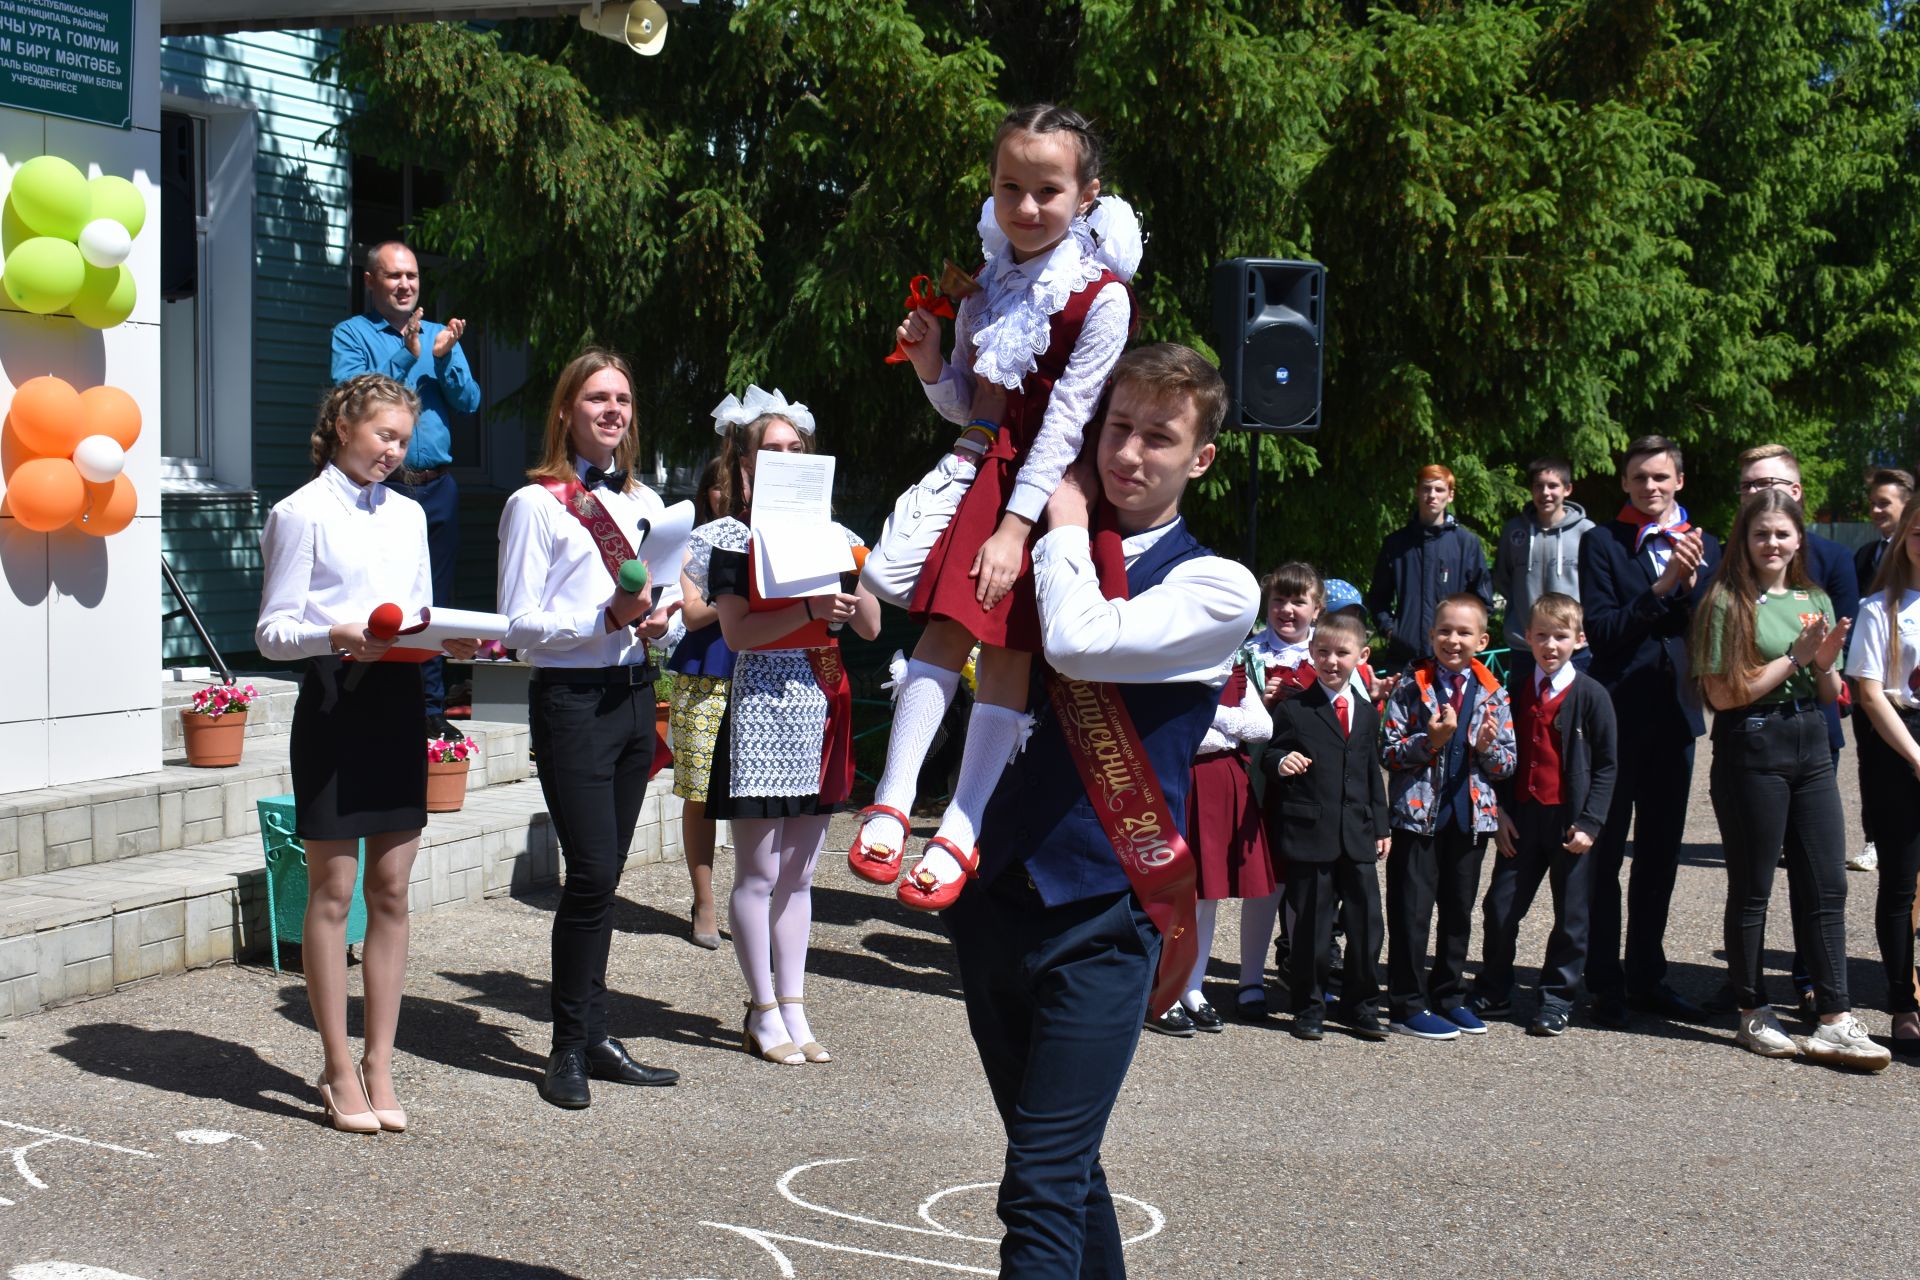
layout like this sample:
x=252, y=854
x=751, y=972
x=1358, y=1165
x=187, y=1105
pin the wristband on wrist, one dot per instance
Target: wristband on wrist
x=991, y=428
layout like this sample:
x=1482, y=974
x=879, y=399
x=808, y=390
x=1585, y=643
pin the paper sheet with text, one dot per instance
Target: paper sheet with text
x=798, y=550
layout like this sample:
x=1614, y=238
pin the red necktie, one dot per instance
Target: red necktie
x=1340, y=714
x=1459, y=694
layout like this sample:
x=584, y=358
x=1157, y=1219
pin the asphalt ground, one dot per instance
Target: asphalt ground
x=171, y=1130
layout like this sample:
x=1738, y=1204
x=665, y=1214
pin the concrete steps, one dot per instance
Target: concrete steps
x=114, y=882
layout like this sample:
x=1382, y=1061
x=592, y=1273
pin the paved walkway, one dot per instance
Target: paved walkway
x=171, y=1130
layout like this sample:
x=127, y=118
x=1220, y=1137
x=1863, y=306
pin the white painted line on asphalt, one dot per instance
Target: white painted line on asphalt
x=213, y=1138
x=765, y=1240
x=785, y=1187
x=48, y=1137
x=65, y=1271
x=1156, y=1219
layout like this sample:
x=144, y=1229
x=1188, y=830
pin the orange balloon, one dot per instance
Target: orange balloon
x=109, y=411
x=46, y=416
x=110, y=507
x=45, y=493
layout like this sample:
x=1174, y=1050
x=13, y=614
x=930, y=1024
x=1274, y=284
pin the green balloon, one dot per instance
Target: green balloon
x=116, y=198
x=44, y=274
x=13, y=232
x=105, y=299
x=51, y=196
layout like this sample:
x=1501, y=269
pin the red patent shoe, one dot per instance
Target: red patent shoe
x=877, y=863
x=924, y=891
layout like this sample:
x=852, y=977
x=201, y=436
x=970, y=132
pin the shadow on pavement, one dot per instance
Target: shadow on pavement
x=190, y=1064
x=630, y=1019
x=434, y=1265
x=436, y=1030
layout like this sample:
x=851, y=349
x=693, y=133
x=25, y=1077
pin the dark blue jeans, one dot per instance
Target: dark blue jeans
x=1055, y=999
x=440, y=499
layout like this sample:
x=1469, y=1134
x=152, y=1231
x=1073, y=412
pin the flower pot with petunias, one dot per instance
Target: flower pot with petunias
x=447, y=765
x=214, y=728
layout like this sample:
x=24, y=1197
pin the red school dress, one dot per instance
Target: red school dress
x=1225, y=829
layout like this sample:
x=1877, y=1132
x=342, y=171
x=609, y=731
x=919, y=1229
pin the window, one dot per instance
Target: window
x=185, y=434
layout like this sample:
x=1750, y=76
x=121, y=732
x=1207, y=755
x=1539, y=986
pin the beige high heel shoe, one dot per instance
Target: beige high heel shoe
x=394, y=1121
x=812, y=1050
x=346, y=1122
x=787, y=1055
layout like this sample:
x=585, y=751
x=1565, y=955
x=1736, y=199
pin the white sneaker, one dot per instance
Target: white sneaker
x=1868, y=859
x=1760, y=1033
x=1846, y=1043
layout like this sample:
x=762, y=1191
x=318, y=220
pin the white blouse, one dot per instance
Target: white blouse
x=1055, y=276
x=334, y=552
x=555, y=588
x=1869, y=658
x=1241, y=725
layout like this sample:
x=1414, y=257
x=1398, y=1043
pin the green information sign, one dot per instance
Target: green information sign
x=70, y=58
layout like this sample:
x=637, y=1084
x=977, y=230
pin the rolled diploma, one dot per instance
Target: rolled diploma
x=423, y=640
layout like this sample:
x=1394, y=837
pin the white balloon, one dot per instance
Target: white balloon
x=99, y=459
x=105, y=243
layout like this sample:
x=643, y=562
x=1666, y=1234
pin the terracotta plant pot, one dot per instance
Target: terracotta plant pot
x=661, y=712
x=447, y=785
x=214, y=742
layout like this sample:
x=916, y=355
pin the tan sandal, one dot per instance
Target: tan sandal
x=812, y=1050
x=786, y=1055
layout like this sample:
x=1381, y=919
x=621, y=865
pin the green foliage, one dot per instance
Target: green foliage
x=1548, y=226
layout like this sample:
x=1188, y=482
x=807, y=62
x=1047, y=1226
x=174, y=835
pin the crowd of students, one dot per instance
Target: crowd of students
x=1622, y=635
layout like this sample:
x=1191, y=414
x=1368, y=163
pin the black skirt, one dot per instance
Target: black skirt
x=359, y=756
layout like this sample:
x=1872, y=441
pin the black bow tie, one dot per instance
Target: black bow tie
x=615, y=480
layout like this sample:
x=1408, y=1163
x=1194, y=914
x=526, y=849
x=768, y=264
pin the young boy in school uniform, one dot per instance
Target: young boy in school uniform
x=1447, y=736
x=1327, y=806
x=1552, y=810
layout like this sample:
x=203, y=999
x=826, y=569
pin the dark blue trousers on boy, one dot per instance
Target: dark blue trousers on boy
x=1538, y=855
x=1055, y=999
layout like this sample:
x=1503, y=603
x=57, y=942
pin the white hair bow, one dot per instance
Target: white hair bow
x=736, y=411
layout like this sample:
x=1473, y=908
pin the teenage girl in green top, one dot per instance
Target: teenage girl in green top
x=1764, y=648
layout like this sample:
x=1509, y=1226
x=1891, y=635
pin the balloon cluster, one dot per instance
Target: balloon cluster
x=67, y=241
x=71, y=446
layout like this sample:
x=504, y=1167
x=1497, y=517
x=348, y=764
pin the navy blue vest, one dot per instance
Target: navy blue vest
x=1456, y=797
x=1040, y=814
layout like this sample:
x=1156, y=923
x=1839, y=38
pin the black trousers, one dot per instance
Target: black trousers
x=440, y=499
x=1650, y=796
x=1538, y=856
x=1317, y=893
x=595, y=749
x=1423, y=872
x=1055, y=1000
x=1774, y=792
x=1890, y=797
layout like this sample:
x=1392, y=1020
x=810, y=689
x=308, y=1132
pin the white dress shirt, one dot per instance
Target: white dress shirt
x=1241, y=724
x=334, y=552
x=1870, y=659
x=1187, y=627
x=1549, y=686
x=555, y=588
x=1335, y=700
x=1063, y=270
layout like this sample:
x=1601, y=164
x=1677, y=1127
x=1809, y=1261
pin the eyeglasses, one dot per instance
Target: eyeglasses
x=1758, y=483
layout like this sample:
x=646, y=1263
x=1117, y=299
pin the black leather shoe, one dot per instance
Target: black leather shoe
x=1306, y=1026
x=1174, y=1022
x=1609, y=1012
x=1667, y=1003
x=1722, y=1002
x=1206, y=1018
x=1250, y=1004
x=1548, y=1022
x=608, y=1060
x=1365, y=1024
x=565, y=1083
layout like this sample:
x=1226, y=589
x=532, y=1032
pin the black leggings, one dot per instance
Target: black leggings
x=1890, y=796
x=1773, y=779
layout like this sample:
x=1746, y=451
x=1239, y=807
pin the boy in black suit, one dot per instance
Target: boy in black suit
x=1551, y=811
x=1327, y=807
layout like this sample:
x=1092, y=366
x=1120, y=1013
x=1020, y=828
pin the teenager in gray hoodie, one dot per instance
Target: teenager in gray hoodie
x=1539, y=552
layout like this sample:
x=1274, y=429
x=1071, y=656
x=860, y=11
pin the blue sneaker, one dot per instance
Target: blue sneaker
x=1426, y=1025
x=1467, y=1020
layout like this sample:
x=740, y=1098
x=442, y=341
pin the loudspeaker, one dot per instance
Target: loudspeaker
x=1267, y=316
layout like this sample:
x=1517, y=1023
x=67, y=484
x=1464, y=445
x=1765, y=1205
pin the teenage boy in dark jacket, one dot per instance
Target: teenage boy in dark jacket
x=1551, y=811
x=1420, y=565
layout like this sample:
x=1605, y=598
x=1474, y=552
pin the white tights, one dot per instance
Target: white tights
x=771, y=915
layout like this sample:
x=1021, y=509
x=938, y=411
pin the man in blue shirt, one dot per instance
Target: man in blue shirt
x=394, y=337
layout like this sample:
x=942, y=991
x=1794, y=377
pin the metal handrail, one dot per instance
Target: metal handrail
x=186, y=607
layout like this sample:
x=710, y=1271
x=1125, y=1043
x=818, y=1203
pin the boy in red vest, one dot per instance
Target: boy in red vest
x=1551, y=811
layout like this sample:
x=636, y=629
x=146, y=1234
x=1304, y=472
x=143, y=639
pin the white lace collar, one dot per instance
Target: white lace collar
x=1272, y=649
x=1013, y=324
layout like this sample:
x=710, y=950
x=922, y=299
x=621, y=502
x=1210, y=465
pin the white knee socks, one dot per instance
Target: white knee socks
x=1205, y=913
x=994, y=736
x=919, y=703
x=1257, y=916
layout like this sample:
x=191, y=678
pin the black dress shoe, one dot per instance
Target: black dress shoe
x=1206, y=1018
x=1365, y=1024
x=1609, y=1012
x=1250, y=1004
x=1723, y=1001
x=1664, y=1001
x=1905, y=1046
x=1307, y=1026
x=608, y=1060
x=565, y=1082
x=1174, y=1022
